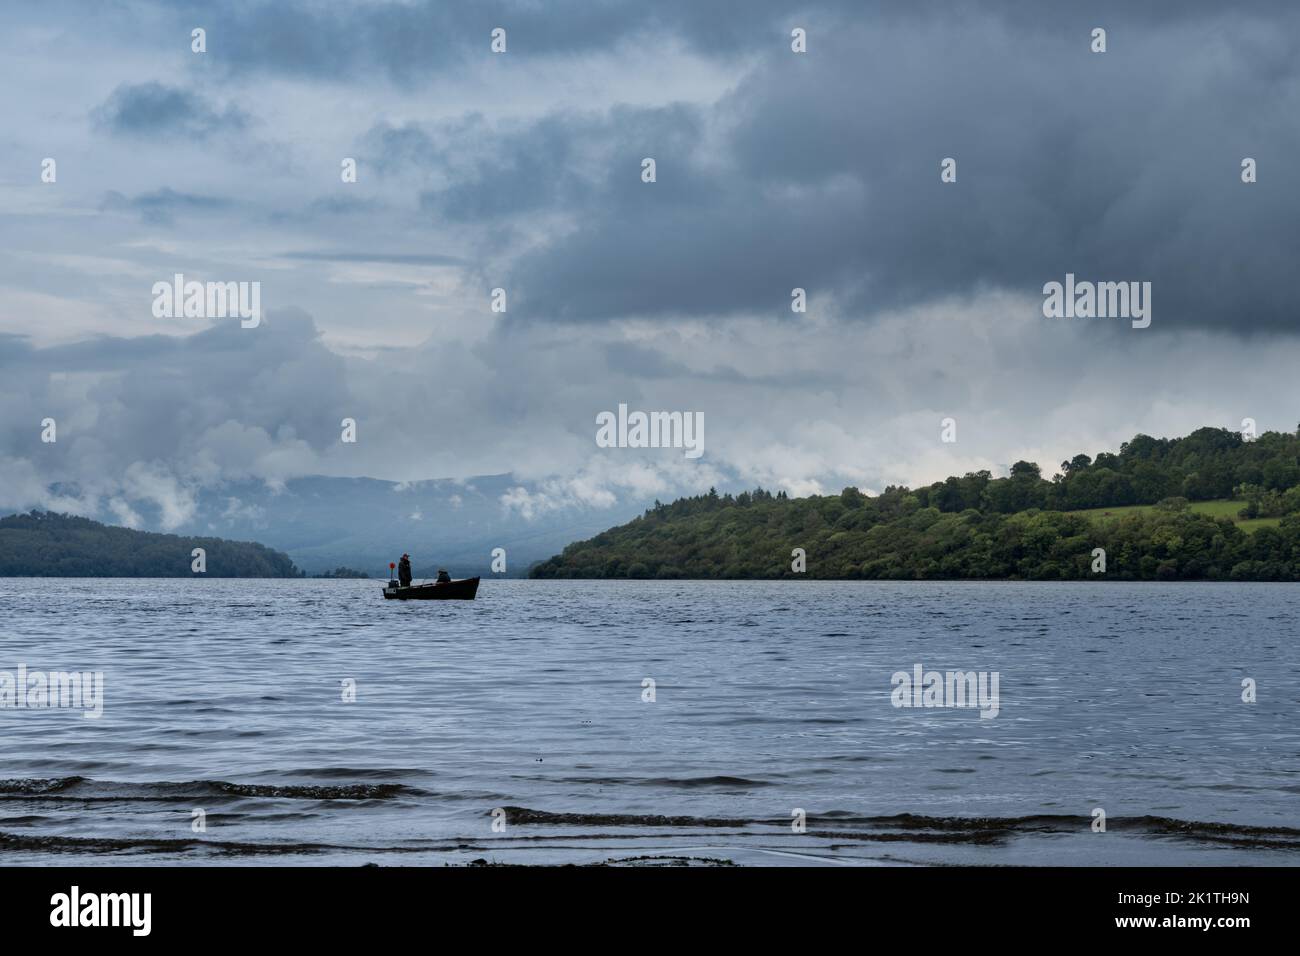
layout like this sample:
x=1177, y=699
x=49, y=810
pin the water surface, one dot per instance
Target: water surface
x=227, y=697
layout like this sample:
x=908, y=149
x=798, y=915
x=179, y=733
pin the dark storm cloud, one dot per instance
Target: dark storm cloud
x=541, y=168
x=821, y=170
x=1115, y=166
x=151, y=109
x=410, y=39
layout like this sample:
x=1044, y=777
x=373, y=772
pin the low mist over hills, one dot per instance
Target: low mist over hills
x=323, y=523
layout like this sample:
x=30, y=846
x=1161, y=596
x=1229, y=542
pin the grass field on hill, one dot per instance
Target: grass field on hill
x=1222, y=508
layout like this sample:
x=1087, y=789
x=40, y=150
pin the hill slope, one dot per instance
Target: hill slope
x=975, y=526
x=49, y=545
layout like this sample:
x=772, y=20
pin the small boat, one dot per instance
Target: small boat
x=463, y=589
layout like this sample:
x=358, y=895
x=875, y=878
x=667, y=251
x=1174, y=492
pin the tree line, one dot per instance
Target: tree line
x=976, y=526
x=44, y=544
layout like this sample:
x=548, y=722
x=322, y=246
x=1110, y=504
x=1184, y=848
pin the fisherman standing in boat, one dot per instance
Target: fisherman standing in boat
x=404, y=571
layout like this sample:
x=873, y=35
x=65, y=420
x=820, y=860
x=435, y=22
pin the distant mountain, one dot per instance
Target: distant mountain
x=324, y=523
x=44, y=544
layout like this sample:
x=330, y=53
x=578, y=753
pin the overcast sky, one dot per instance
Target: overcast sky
x=522, y=171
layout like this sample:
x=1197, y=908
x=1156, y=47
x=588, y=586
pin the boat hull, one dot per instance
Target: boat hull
x=461, y=590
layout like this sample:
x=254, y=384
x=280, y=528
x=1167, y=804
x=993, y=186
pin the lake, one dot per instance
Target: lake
x=267, y=722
